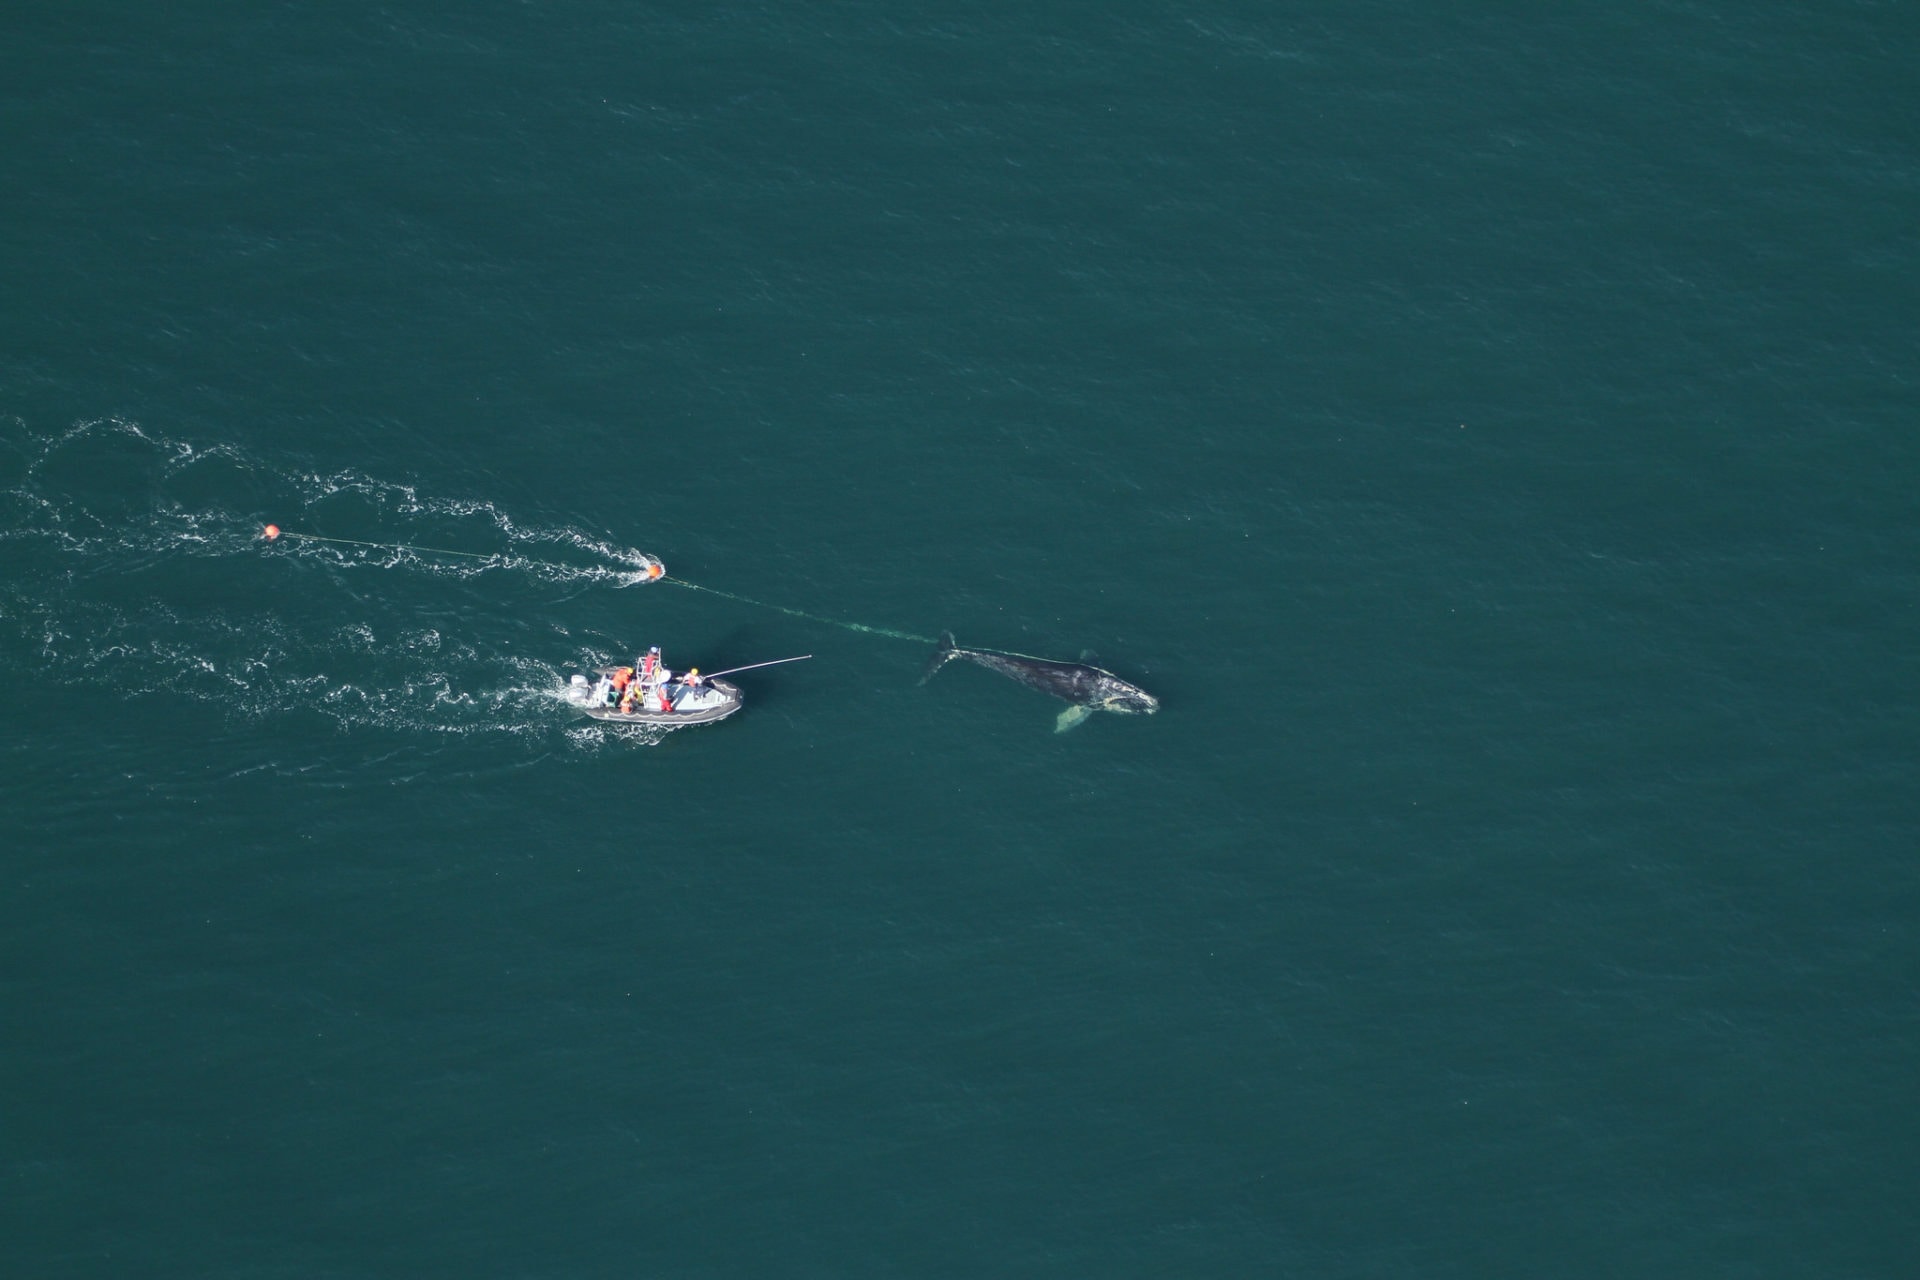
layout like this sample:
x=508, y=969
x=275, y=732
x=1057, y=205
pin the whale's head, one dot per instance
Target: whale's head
x=1117, y=695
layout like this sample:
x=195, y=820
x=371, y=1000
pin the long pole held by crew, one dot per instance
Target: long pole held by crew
x=754, y=665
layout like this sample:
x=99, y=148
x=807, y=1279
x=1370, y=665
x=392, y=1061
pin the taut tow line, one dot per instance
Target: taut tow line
x=799, y=613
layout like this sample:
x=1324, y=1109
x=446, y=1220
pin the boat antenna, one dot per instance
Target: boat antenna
x=751, y=665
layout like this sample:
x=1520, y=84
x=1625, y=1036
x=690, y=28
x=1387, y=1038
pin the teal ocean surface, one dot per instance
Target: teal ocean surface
x=1489, y=431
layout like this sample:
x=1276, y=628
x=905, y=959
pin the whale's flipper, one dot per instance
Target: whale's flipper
x=941, y=656
x=1071, y=717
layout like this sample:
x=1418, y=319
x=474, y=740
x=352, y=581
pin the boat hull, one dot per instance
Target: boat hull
x=713, y=700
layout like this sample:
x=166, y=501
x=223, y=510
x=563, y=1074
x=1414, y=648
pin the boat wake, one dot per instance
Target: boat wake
x=111, y=487
x=135, y=565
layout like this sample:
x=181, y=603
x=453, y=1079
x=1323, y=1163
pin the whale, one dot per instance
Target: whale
x=1088, y=688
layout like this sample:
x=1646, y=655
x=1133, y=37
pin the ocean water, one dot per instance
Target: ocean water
x=1488, y=430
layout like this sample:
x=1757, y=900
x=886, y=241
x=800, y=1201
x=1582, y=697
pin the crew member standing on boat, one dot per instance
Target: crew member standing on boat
x=653, y=678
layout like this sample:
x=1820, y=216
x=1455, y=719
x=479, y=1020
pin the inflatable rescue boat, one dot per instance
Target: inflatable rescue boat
x=673, y=703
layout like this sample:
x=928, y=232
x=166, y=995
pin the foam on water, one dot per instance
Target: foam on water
x=112, y=487
x=136, y=567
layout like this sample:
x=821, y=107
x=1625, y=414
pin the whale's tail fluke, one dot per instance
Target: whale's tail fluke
x=945, y=653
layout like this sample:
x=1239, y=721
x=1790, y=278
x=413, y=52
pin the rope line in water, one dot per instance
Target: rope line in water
x=810, y=617
x=654, y=570
x=382, y=546
x=649, y=566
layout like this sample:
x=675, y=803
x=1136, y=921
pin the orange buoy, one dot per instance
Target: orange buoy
x=272, y=531
x=655, y=570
